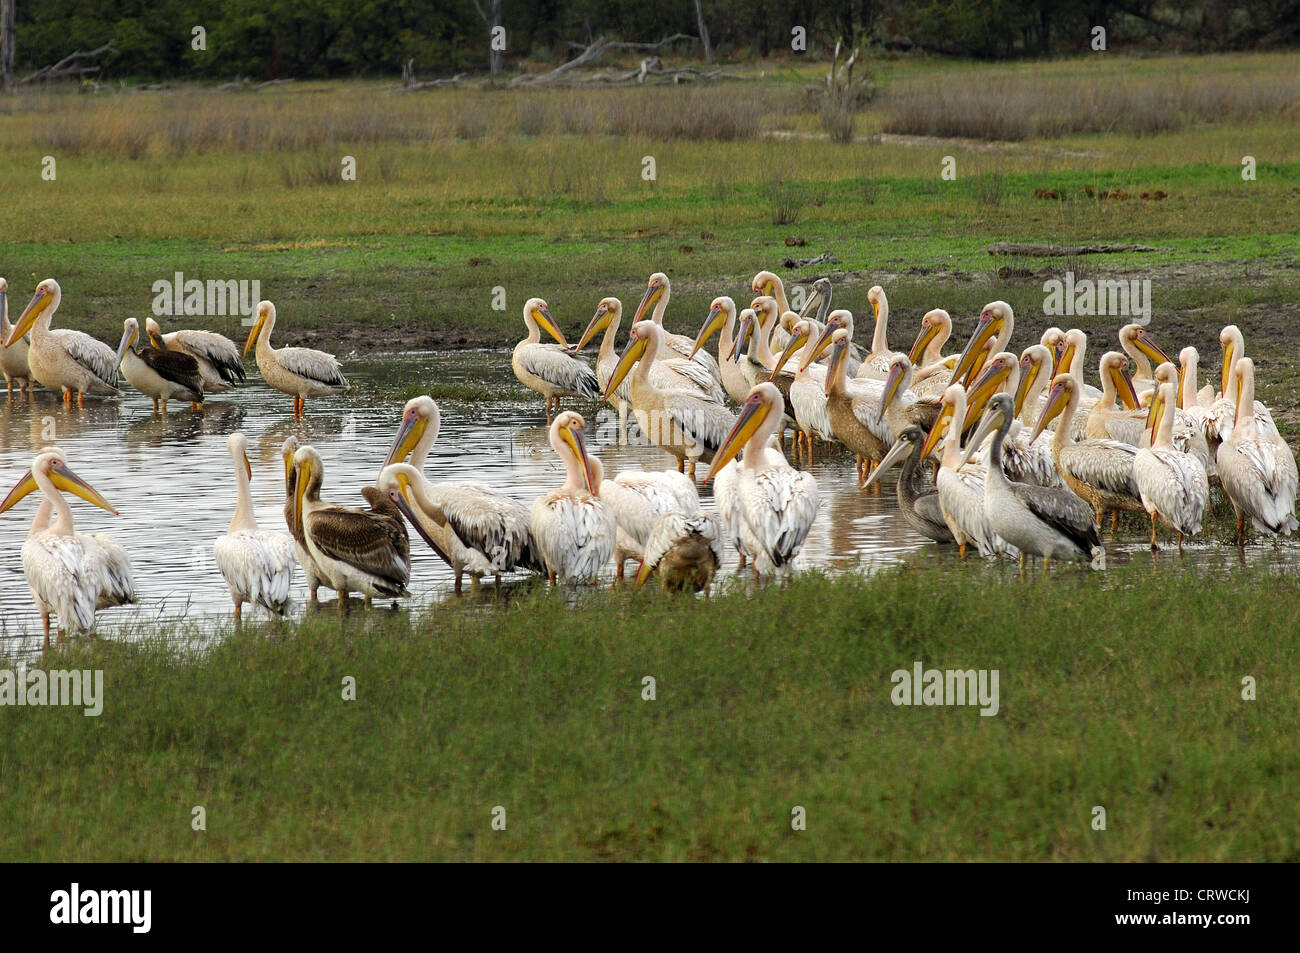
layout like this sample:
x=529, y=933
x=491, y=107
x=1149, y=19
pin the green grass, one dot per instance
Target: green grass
x=1121, y=690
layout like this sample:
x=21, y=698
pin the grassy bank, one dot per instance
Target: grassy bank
x=1119, y=690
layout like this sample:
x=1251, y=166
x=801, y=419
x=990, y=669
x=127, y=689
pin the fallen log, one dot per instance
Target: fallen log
x=1035, y=250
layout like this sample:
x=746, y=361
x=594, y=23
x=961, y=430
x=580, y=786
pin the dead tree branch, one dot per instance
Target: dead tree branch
x=68, y=66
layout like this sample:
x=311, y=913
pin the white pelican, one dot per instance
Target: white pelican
x=933, y=370
x=13, y=359
x=918, y=503
x=70, y=574
x=875, y=365
x=685, y=550
x=1104, y=421
x=572, y=527
x=960, y=482
x=1173, y=485
x=637, y=499
x=353, y=549
x=550, y=369
x=306, y=561
x=474, y=528
x=63, y=359
x=1099, y=471
x=1024, y=460
x=160, y=375
x=1188, y=435
x=808, y=389
x=1222, y=414
x=1051, y=522
x=1137, y=344
x=298, y=371
x=851, y=405
x=722, y=320
x=657, y=293
x=218, y=356
x=775, y=504
x=992, y=332
x=257, y=564
x=682, y=422
x=1257, y=471
x=900, y=407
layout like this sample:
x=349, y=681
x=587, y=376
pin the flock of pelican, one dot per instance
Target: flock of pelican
x=1027, y=457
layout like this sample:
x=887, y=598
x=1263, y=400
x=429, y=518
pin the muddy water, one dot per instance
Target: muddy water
x=171, y=478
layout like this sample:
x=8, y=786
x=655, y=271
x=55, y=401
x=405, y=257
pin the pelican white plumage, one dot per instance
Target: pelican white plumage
x=256, y=563
x=875, y=365
x=70, y=574
x=573, y=529
x=13, y=359
x=1256, y=469
x=301, y=372
x=1223, y=411
x=638, y=498
x=160, y=375
x=722, y=321
x=658, y=291
x=1173, y=484
x=353, y=549
x=63, y=359
x=472, y=527
x=218, y=358
x=774, y=503
x=550, y=369
x=808, y=389
x=684, y=550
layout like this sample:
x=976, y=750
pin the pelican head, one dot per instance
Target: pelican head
x=265, y=317
x=44, y=301
x=420, y=416
x=997, y=417
x=1114, y=365
x=130, y=331
x=756, y=419
x=51, y=465
x=608, y=312
x=655, y=290
x=237, y=444
x=897, y=380
x=538, y=315
x=765, y=311
x=722, y=310
x=4, y=302
x=639, y=340
x=908, y=439
x=998, y=372
x=837, y=320
x=1064, y=394
x=839, y=357
x=1230, y=340
x=879, y=303
x=1033, y=361
x=1075, y=342
x=766, y=283
x=994, y=317
x=800, y=333
x=748, y=324
x=155, y=333
x=1136, y=337
x=932, y=324
x=1188, y=359
x=395, y=482
x=287, y=450
x=566, y=439
x=308, y=474
x=951, y=406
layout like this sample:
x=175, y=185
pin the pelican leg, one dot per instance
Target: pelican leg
x=81, y=400
x=1023, y=560
x=458, y=578
x=1241, y=526
x=741, y=565
x=681, y=465
x=1180, y=544
x=810, y=449
x=164, y=405
x=1155, y=546
x=1114, y=521
x=1101, y=516
x=313, y=594
x=45, y=622
x=961, y=550
x=366, y=602
x=239, y=613
x=67, y=397
x=692, y=473
x=9, y=382
x=550, y=577
x=618, y=572
x=155, y=405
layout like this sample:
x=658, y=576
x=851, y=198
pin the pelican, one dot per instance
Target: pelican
x=1137, y=344
x=1257, y=471
x=1099, y=471
x=1188, y=435
x=960, y=483
x=875, y=366
x=160, y=375
x=638, y=498
x=775, y=504
x=722, y=321
x=220, y=366
x=1172, y=484
x=992, y=332
x=933, y=370
x=1050, y=522
x=70, y=574
x=257, y=564
x=766, y=284
x=549, y=369
x=473, y=528
x=808, y=389
x=682, y=422
x=657, y=293
x=298, y=371
x=851, y=406
x=354, y=549
x=1104, y=421
x=63, y=359
x=918, y=504
x=899, y=405
x=684, y=550
x=574, y=529
x=1025, y=459
x=13, y=358
x=306, y=561
x=1222, y=414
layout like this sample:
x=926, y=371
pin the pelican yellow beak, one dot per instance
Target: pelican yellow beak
x=631, y=354
x=128, y=338
x=408, y=435
x=1178, y=394
x=747, y=325
x=796, y=341
x=875, y=308
x=984, y=388
x=923, y=340
x=988, y=328
x=572, y=435
x=542, y=315
x=712, y=324
x=820, y=347
x=599, y=322
x=24, y=486
x=750, y=419
x=40, y=301
x=937, y=431
x=1055, y=406
x=1065, y=361
x=63, y=479
x=401, y=499
x=304, y=475
x=1148, y=347
x=642, y=574
x=653, y=293
x=892, y=383
x=1124, y=387
x=288, y=469
x=1153, y=414
x=1229, y=356
x=157, y=341
x=248, y=467
x=252, y=335
x=1029, y=371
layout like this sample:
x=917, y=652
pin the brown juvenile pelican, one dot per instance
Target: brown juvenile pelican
x=160, y=375
x=684, y=551
x=218, y=356
x=851, y=406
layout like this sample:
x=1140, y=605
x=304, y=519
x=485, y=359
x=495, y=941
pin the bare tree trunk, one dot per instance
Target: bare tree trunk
x=7, y=43
x=492, y=17
x=704, y=31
